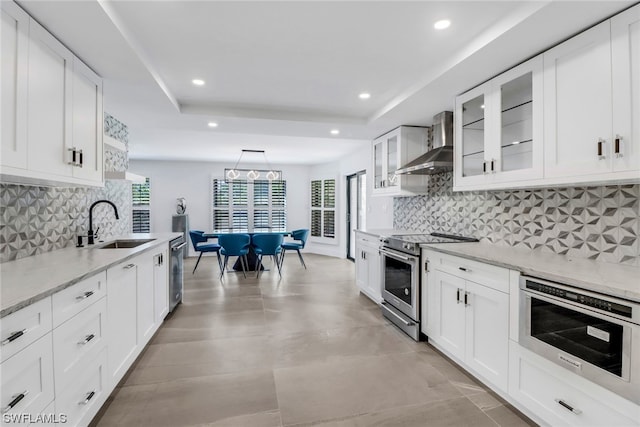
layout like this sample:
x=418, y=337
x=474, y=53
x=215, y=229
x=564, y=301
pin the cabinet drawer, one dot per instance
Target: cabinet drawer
x=23, y=327
x=367, y=239
x=541, y=386
x=28, y=373
x=68, y=302
x=479, y=272
x=81, y=399
x=77, y=339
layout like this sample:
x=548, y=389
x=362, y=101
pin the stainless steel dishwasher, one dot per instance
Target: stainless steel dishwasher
x=176, y=248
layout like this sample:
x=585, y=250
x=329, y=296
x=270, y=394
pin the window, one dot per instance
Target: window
x=140, y=194
x=323, y=208
x=240, y=205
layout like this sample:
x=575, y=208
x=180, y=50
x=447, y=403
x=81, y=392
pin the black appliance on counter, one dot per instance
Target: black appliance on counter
x=400, y=259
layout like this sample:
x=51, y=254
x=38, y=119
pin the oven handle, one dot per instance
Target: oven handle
x=397, y=256
x=404, y=322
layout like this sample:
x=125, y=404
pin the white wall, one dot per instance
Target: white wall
x=192, y=180
x=379, y=212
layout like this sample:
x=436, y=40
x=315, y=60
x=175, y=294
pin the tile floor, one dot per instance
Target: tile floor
x=304, y=349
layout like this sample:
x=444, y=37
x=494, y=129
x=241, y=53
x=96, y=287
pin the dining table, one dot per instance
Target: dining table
x=252, y=258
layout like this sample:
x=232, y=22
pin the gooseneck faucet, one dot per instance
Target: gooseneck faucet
x=115, y=210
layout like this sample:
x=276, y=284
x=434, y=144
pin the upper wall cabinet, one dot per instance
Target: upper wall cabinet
x=390, y=152
x=592, y=90
x=499, y=130
x=53, y=108
x=15, y=40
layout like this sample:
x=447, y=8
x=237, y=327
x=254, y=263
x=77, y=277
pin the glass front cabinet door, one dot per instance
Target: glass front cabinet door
x=393, y=150
x=499, y=130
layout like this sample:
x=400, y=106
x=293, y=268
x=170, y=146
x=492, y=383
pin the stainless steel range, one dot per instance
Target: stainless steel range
x=401, y=277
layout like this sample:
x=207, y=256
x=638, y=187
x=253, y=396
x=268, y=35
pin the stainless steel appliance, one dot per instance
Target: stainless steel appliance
x=401, y=277
x=440, y=158
x=176, y=269
x=593, y=335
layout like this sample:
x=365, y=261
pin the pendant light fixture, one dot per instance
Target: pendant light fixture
x=253, y=174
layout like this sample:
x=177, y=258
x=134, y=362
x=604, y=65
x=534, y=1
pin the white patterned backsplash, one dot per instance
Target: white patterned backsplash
x=601, y=223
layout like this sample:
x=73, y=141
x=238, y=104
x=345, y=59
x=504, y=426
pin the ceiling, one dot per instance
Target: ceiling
x=280, y=75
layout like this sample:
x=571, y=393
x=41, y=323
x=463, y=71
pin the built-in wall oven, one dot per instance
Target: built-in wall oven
x=593, y=335
x=400, y=256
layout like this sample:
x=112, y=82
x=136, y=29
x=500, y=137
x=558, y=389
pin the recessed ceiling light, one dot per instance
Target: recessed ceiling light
x=197, y=82
x=442, y=24
x=212, y=124
x=364, y=95
x=335, y=131
x=482, y=106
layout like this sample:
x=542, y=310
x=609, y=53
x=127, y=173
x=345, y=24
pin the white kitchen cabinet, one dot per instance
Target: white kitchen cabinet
x=72, y=300
x=49, y=103
x=87, y=124
x=27, y=379
x=161, y=285
x=555, y=396
x=499, y=130
x=393, y=150
x=368, y=268
x=15, y=41
x=122, y=297
x=81, y=399
x=469, y=320
x=77, y=340
x=146, y=319
x=52, y=111
x=23, y=327
x=591, y=102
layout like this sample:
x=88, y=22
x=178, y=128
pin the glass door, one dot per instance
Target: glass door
x=516, y=118
x=356, y=212
x=378, y=158
x=473, y=136
x=392, y=161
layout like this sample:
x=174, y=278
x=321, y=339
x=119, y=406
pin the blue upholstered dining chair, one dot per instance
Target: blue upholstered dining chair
x=234, y=244
x=300, y=239
x=269, y=244
x=200, y=245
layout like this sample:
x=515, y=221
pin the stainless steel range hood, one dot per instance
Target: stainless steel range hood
x=440, y=158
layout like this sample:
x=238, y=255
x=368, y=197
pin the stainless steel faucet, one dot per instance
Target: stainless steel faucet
x=91, y=232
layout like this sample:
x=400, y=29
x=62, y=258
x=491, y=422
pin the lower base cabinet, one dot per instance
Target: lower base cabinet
x=467, y=320
x=368, y=267
x=81, y=399
x=558, y=397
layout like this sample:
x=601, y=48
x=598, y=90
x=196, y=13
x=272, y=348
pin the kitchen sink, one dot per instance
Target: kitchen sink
x=125, y=243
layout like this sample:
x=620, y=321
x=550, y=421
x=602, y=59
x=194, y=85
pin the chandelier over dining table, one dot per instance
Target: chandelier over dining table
x=253, y=174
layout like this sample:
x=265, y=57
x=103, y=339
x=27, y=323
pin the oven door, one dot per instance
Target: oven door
x=400, y=281
x=588, y=343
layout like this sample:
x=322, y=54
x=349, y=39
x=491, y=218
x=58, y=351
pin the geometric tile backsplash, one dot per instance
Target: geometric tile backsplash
x=41, y=219
x=601, y=223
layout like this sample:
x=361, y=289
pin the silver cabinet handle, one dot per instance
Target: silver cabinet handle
x=568, y=407
x=88, y=398
x=14, y=336
x=458, y=296
x=128, y=266
x=86, y=339
x=466, y=298
x=16, y=398
x=466, y=270
x=84, y=296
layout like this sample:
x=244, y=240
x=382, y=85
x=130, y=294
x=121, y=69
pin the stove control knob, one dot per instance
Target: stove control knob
x=406, y=245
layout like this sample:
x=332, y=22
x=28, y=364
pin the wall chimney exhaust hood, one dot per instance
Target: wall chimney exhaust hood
x=440, y=158
x=124, y=176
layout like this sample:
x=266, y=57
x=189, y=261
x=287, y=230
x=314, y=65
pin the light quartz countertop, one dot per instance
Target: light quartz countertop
x=617, y=280
x=33, y=278
x=379, y=232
